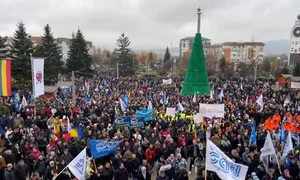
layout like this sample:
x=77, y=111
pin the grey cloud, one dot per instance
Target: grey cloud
x=152, y=24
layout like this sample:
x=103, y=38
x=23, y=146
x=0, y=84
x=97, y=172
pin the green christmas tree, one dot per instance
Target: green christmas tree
x=53, y=57
x=4, y=53
x=78, y=56
x=21, y=51
x=125, y=57
x=196, y=79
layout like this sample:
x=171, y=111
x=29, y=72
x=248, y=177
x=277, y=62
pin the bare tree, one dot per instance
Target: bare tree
x=253, y=57
x=213, y=55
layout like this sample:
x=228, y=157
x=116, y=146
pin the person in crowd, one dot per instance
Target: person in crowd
x=121, y=173
x=9, y=174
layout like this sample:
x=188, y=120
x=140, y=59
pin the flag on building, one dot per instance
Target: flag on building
x=38, y=77
x=222, y=165
x=5, y=69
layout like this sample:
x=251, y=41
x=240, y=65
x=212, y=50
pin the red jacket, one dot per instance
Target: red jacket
x=181, y=140
x=150, y=154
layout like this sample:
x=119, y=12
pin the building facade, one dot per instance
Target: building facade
x=63, y=43
x=294, y=51
x=246, y=52
x=186, y=44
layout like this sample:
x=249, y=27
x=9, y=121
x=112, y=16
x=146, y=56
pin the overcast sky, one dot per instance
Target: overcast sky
x=153, y=24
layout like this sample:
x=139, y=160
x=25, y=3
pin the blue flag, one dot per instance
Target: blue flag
x=104, y=83
x=253, y=134
x=147, y=115
x=100, y=148
x=86, y=97
x=126, y=100
x=80, y=132
x=16, y=102
x=282, y=133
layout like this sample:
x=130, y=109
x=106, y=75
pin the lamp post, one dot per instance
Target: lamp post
x=73, y=83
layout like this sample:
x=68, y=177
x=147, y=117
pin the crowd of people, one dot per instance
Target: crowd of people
x=38, y=145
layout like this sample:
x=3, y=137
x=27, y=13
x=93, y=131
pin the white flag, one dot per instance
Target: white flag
x=24, y=102
x=194, y=98
x=122, y=104
x=69, y=128
x=211, y=94
x=221, y=95
x=267, y=152
x=180, y=107
x=225, y=168
x=260, y=102
x=288, y=145
x=268, y=148
x=78, y=165
x=38, y=77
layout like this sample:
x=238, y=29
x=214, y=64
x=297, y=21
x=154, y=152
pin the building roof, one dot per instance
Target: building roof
x=212, y=46
x=60, y=40
x=243, y=43
x=36, y=39
x=286, y=75
x=192, y=38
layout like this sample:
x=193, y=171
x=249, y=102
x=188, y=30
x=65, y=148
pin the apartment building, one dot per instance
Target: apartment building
x=236, y=52
x=186, y=44
x=63, y=43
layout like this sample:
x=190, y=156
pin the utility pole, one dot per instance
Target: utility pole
x=199, y=19
x=73, y=89
x=117, y=69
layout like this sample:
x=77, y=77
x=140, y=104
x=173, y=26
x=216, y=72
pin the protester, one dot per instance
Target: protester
x=44, y=145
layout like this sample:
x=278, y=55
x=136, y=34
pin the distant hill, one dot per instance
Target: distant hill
x=277, y=47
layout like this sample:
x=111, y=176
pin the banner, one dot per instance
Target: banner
x=295, y=85
x=38, y=77
x=225, y=168
x=147, y=115
x=167, y=81
x=100, y=148
x=78, y=165
x=171, y=112
x=211, y=110
x=127, y=121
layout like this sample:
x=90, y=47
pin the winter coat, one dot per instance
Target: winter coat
x=121, y=174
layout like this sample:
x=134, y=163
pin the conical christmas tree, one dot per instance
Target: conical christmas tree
x=196, y=79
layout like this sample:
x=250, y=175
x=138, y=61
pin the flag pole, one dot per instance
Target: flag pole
x=33, y=92
x=60, y=172
x=205, y=171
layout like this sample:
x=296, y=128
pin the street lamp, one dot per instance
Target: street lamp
x=73, y=82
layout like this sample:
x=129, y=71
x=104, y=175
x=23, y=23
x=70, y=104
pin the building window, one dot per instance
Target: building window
x=292, y=42
x=183, y=45
x=295, y=50
x=296, y=42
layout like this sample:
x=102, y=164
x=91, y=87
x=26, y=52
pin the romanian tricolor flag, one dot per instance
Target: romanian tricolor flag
x=5, y=80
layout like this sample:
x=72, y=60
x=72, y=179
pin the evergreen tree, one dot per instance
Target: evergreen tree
x=167, y=55
x=78, y=56
x=53, y=56
x=21, y=51
x=297, y=70
x=285, y=69
x=125, y=57
x=3, y=47
x=151, y=59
